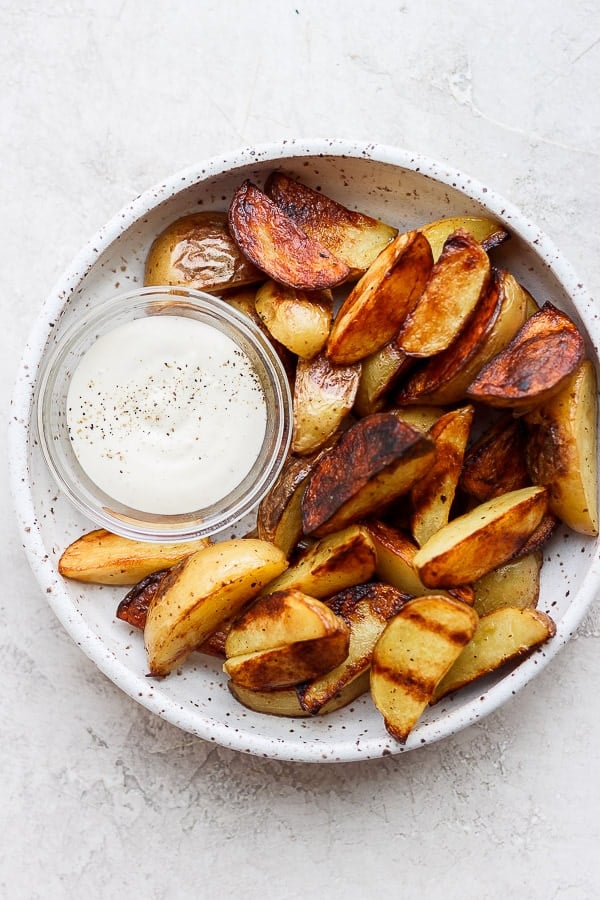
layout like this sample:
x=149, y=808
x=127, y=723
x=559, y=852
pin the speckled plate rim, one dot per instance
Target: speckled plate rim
x=208, y=728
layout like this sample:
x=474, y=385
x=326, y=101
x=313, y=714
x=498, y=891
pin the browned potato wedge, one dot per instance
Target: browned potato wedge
x=421, y=417
x=244, y=300
x=374, y=462
x=337, y=561
x=495, y=464
x=379, y=373
x=283, y=639
x=366, y=609
x=445, y=378
x=199, y=593
x=537, y=362
x=197, y=251
x=457, y=282
x=286, y=702
x=323, y=396
x=378, y=304
x=272, y=241
x=488, y=232
x=351, y=236
x=300, y=320
x=133, y=608
x=504, y=635
x=413, y=654
x=516, y=583
x=100, y=557
x=562, y=450
x=539, y=537
x=433, y=494
x=482, y=539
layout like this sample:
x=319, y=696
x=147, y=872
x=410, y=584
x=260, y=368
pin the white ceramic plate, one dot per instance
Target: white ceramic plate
x=404, y=190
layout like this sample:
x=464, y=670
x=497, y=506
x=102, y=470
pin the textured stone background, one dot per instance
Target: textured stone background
x=99, y=101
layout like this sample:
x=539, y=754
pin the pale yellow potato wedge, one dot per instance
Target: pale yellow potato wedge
x=562, y=450
x=505, y=635
x=516, y=583
x=286, y=702
x=378, y=304
x=457, y=282
x=100, y=557
x=300, y=320
x=482, y=539
x=334, y=563
x=201, y=592
x=413, y=654
x=323, y=396
x=379, y=373
x=488, y=232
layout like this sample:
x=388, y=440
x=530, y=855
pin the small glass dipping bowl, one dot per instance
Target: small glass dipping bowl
x=51, y=414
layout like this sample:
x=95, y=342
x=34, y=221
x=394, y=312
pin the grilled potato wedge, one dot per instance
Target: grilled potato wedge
x=432, y=496
x=488, y=232
x=337, y=561
x=100, y=557
x=379, y=373
x=495, y=464
x=200, y=592
x=413, y=654
x=482, y=539
x=275, y=244
x=300, y=320
x=516, y=583
x=351, y=236
x=562, y=450
x=502, y=636
x=378, y=304
x=457, y=282
x=374, y=462
x=366, y=609
x=323, y=396
x=197, y=251
x=286, y=702
x=546, y=350
x=284, y=638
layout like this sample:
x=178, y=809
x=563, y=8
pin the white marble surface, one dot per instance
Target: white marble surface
x=98, y=798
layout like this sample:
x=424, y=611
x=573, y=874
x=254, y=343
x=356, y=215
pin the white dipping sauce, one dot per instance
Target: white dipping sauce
x=166, y=414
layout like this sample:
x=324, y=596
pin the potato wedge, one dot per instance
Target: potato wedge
x=502, y=636
x=100, y=557
x=300, y=320
x=421, y=417
x=133, y=608
x=562, y=450
x=366, y=609
x=516, y=583
x=546, y=350
x=379, y=373
x=413, y=654
x=334, y=563
x=202, y=591
x=444, y=378
x=286, y=702
x=355, y=238
x=244, y=300
x=274, y=244
x=488, y=232
x=374, y=462
x=539, y=536
x=457, y=282
x=482, y=539
x=378, y=304
x=495, y=464
x=432, y=496
x=197, y=251
x=283, y=639
x=323, y=396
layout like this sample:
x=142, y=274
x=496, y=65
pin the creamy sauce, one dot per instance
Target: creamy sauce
x=166, y=414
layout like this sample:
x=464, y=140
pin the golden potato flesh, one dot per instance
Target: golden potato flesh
x=379, y=373
x=516, y=583
x=300, y=320
x=323, y=396
x=488, y=232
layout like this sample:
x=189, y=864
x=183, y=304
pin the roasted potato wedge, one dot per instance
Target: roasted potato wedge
x=495, y=464
x=202, y=591
x=540, y=536
x=432, y=496
x=300, y=320
x=457, y=282
x=516, y=583
x=323, y=396
x=413, y=654
x=374, y=462
x=444, y=378
x=372, y=313
x=133, y=608
x=482, y=539
x=544, y=353
x=501, y=636
x=275, y=244
x=353, y=237
x=488, y=232
x=379, y=373
x=286, y=702
x=100, y=557
x=421, y=417
x=337, y=561
x=197, y=251
x=244, y=300
x=284, y=638
x=562, y=450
